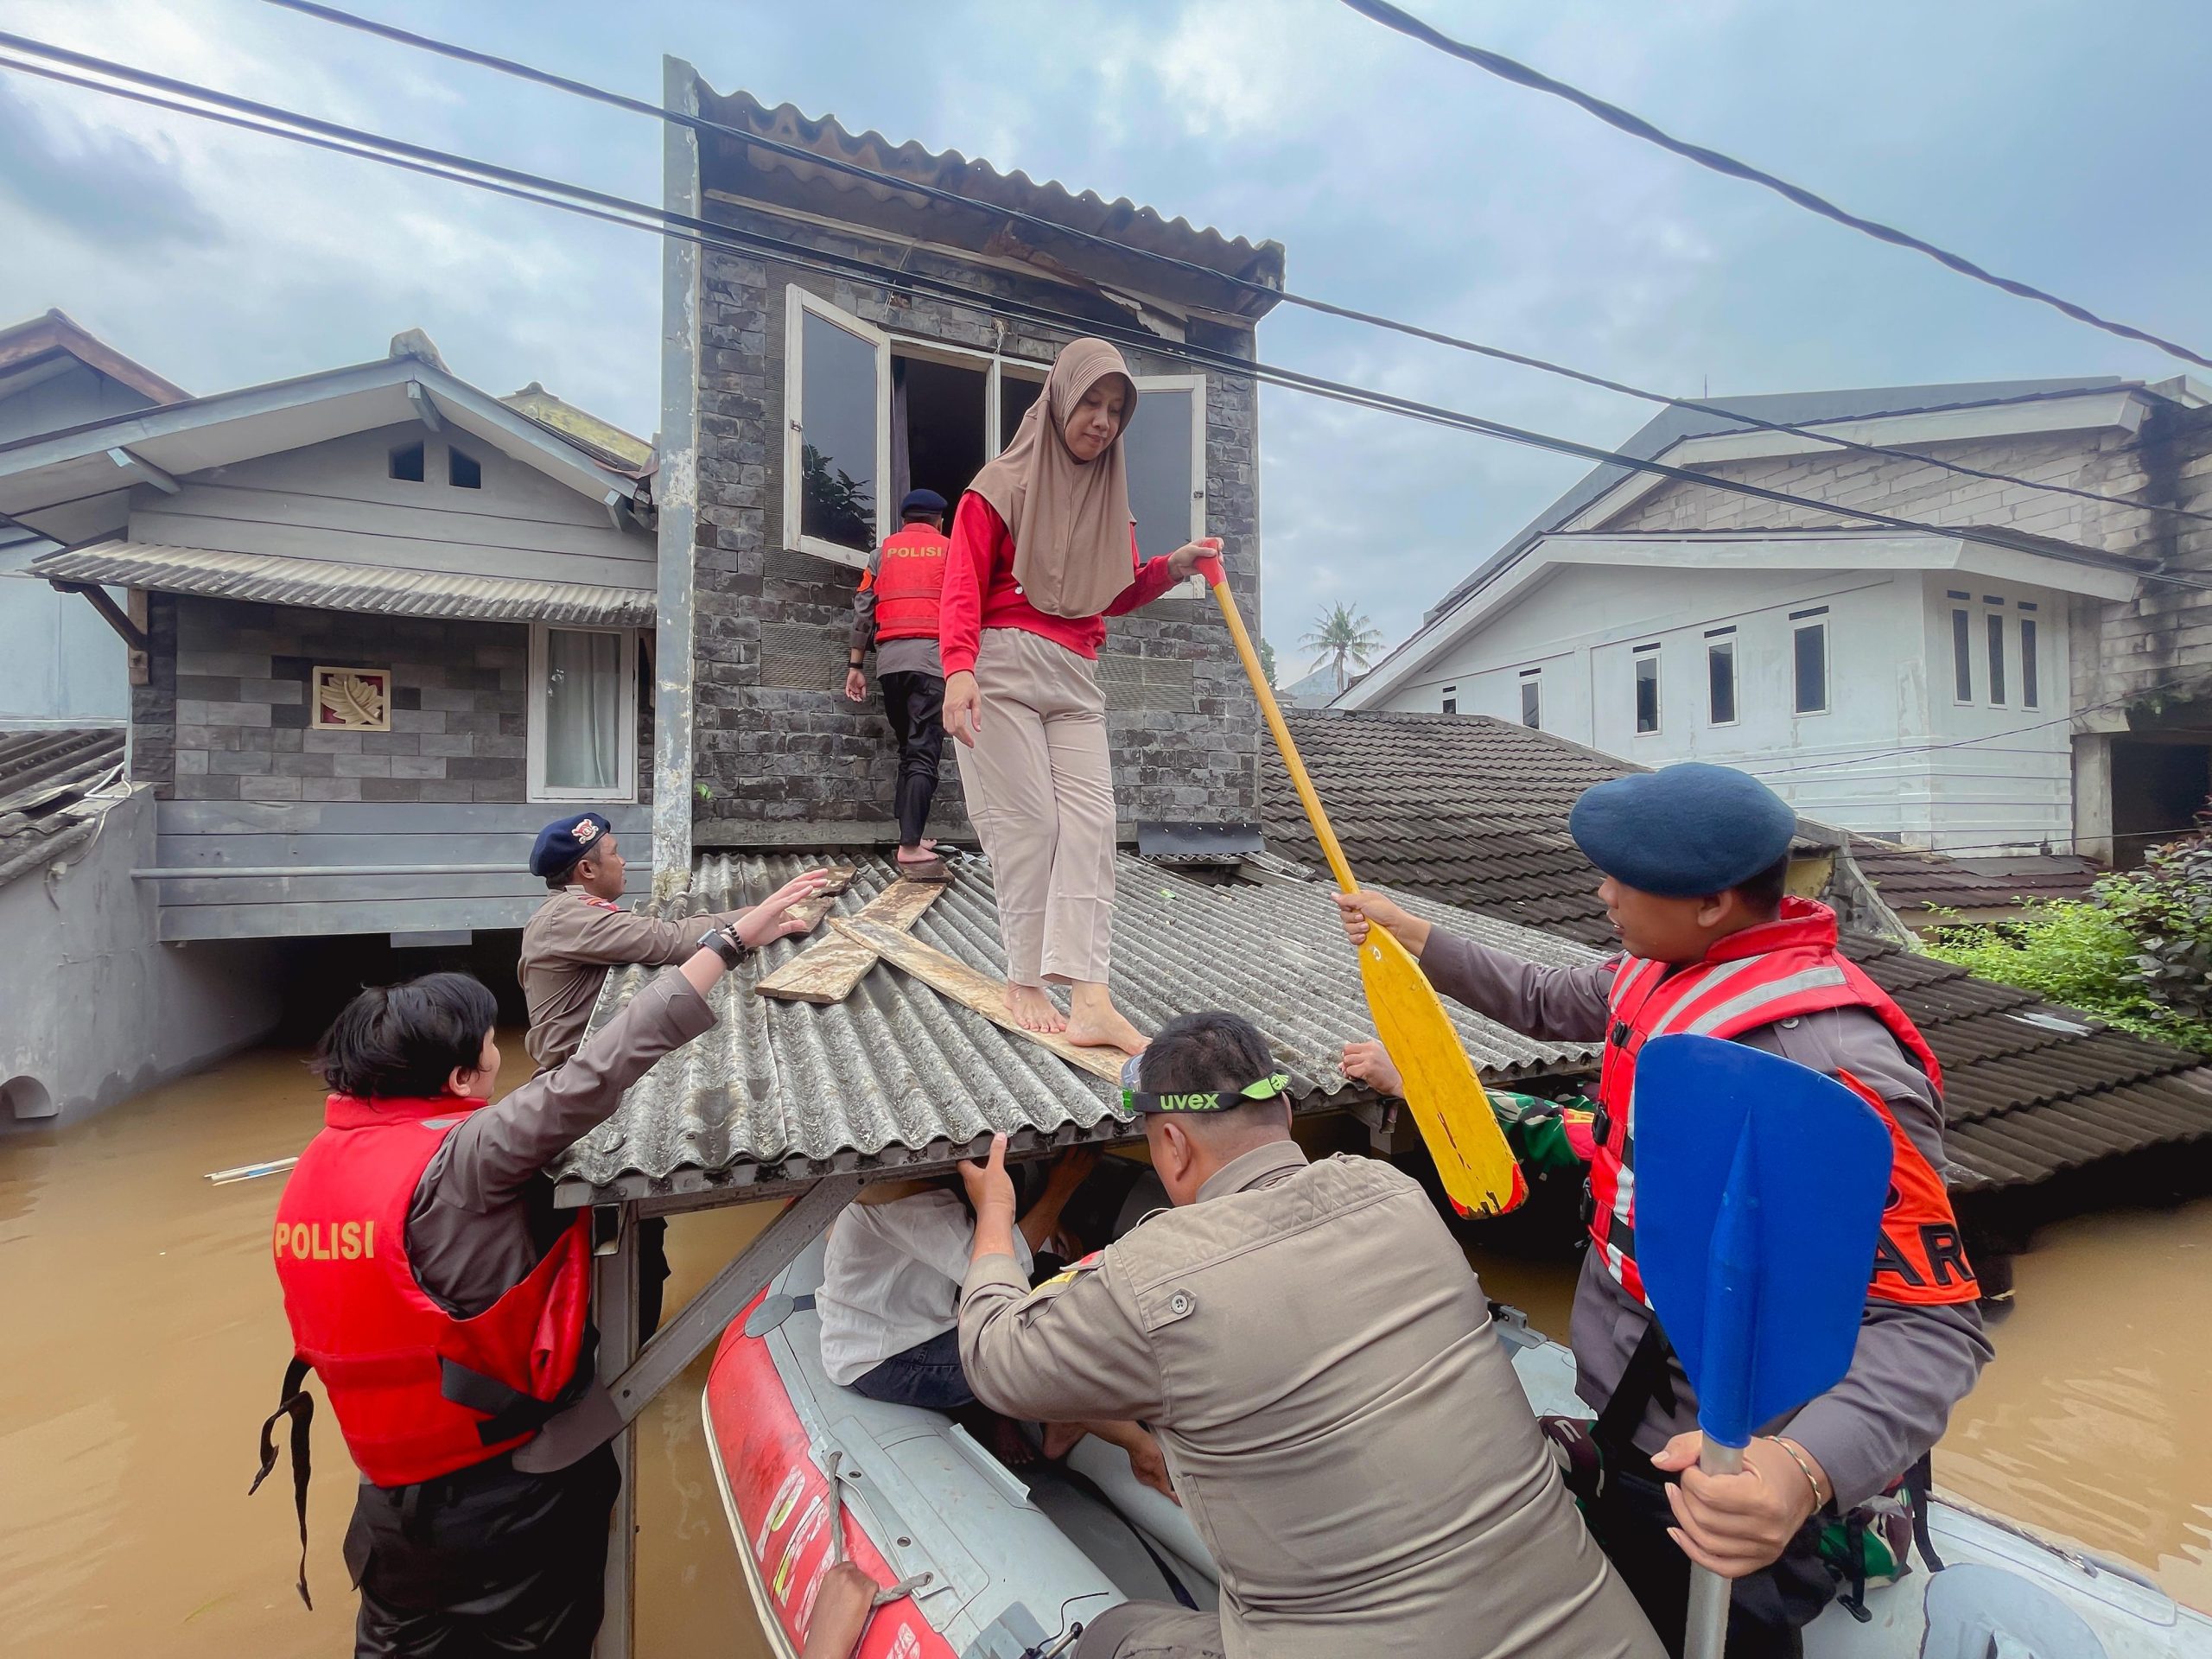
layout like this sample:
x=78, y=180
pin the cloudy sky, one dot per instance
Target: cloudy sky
x=2055, y=140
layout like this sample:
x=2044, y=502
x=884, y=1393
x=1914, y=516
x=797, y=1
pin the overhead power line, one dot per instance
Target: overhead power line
x=1636, y=126
x=600, y=204
x=1016, y=216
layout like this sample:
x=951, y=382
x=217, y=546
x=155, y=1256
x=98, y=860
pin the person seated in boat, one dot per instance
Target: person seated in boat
x=444, y=1302
x=1694, y=859
x=1044, y=550
x=1316, y=1359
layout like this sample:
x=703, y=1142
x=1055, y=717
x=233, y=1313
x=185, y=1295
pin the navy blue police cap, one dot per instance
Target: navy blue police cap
x=1683, y=831
x=921, y=501
x=562, y=842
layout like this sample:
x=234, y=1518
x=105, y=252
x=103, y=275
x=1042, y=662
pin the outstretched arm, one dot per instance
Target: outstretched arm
x=1559, y=1004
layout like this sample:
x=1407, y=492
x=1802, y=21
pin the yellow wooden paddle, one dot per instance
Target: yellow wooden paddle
x=1477, y=1167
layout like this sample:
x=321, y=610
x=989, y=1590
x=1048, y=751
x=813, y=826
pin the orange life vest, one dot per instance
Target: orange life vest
x=417, y=1391
x=1778, y=971
x=908, y=583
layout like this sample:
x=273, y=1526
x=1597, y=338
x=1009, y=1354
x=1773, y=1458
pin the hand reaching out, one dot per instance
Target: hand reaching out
x=770, y=919
x=1369, y=1063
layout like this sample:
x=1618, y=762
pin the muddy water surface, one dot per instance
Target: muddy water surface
x=146, y=1341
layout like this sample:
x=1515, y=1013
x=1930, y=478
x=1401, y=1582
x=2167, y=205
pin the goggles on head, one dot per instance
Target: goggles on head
x=1136, y=1100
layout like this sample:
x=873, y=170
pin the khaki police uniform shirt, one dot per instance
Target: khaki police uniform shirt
x=1911, y=1364
x=1342, y=1424
x=568, y=945
x=483, y=1215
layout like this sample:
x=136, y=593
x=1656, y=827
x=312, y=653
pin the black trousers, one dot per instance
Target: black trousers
x=915, y=705
x=486, y=1560
x=1767, y=1610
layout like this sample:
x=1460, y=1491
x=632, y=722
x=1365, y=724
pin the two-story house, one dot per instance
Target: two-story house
x=2017, y=680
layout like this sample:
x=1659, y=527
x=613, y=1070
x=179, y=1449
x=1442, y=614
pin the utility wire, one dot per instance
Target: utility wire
x=1636, y=126
x=1246, y=285
x=706, y=233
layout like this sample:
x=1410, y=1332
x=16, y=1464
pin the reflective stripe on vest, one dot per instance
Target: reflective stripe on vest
x=909, y=584
x=1781, y=969
x=418, y=1392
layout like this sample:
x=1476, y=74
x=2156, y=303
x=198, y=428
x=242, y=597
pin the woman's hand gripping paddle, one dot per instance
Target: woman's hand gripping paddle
x=1476, y=1167
x=1759, y=1189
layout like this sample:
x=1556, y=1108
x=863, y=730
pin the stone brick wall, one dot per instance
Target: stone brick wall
x=779, y=754
x=235, y=676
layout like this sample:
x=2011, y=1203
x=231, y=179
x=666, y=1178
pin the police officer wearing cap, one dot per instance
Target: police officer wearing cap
x=583, y=930
x=896, y=609
x=1695, y=860
x=1340, y=1422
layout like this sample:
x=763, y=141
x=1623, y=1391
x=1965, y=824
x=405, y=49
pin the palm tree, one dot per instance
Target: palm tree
x=1342, y=634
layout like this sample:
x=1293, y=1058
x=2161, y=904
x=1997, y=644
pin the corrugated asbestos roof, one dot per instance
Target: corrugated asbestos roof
x=1139, y=228
x=1472, y=811
x=780, y=1089
x=47, y=810
x=331, y=586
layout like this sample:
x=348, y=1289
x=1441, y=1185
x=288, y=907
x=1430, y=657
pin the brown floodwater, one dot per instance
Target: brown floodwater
x=147, y=1340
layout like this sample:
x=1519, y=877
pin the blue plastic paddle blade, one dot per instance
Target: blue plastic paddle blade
x=1759, y=1191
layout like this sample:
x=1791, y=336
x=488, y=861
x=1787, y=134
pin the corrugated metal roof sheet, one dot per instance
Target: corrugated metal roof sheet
x=781, y=1089
x=330, y=585
x=46, y=808
x=1139, y=228
x=1472, y=810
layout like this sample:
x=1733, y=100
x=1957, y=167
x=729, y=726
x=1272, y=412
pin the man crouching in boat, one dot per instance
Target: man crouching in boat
x=444, y=1302
x=1338, y=1418
x=1695, y=859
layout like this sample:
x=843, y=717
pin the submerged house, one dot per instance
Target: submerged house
x=383, y=626
x=2032, y=680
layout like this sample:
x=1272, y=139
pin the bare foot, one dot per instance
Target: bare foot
x=1060, y=1439
x=1106, y=1028
x=1033, y=1009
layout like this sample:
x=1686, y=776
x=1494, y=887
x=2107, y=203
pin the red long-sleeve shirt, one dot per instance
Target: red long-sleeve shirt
x=979, y=591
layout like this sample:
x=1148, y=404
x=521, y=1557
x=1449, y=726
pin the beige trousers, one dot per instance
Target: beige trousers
x=1040, y=790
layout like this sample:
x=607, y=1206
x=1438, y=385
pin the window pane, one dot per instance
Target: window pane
x=1015, y=395
x=1450, y=705
x=464, y=471
x=1996, y=658
x=1158, y=448
x=1812, y=662
x=406, y=463
x=1962, y=657
x=1532, y=702
x=1647, y=692
x=583, y=710
x=2031, y=687
x=837, y=455
x=1720, y=679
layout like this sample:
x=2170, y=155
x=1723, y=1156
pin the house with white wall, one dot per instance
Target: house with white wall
x=61, y=667
x=2018, y=679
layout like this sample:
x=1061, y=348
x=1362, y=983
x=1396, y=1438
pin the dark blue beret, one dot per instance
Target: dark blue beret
x=921, y=501
x=562, y=843
x=1683, y=831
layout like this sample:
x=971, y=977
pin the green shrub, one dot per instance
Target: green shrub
x=2168, y=909
x=2086, y=954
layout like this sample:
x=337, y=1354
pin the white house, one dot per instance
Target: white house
x=1969, y=688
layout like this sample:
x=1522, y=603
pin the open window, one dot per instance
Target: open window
x=837, y=431
x=1647, y=690
x=583, y=713
x=1165, y=448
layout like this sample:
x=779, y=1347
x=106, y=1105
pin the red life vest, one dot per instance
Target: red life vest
x=418, y=1392
x=908, y=581
x=1778, y=971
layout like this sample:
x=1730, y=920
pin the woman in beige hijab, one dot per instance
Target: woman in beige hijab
x=1044, y=550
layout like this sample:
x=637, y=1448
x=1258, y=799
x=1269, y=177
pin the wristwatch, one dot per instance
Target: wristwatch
x=725, y=943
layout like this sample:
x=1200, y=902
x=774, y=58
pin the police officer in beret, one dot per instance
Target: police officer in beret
x=583, y=930
x=897, y=611
x=1339, y=1421
x=1695, y=860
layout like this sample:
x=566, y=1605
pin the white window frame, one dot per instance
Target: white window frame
x=626, y=788
x=1827, y=678
x=1996, y=683
x=1532, y=679
x=1195, y=586
x=1022, y=369
x=1636, y=659
x=1960, y=651
x=798, y=301
x=1715, y=645
x=2030, y=637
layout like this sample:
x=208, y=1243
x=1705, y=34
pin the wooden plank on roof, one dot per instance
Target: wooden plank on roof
x=971, y=989
x=828, y=971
